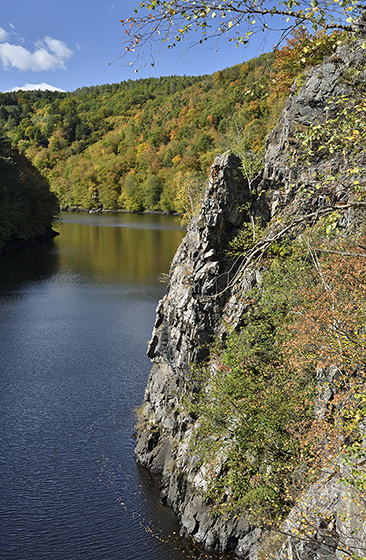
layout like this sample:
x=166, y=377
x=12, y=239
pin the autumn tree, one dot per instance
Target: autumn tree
x=189, y=193
x=168, y=22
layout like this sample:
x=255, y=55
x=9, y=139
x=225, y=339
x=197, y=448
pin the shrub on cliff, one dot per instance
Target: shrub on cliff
x=261, y=434
x=283, y=402
x=257, y=406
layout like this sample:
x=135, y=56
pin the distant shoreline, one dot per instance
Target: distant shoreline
x=76, y=209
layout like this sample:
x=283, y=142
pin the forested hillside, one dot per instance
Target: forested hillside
x=148, y=144
x=122, y=145
x=27, y=207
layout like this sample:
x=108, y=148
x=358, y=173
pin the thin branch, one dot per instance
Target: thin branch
x=256, y=253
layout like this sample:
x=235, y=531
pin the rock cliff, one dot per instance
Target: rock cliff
x=205, y=297
x=187, y=318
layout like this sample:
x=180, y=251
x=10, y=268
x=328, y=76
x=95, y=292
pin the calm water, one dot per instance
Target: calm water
x=75, y=318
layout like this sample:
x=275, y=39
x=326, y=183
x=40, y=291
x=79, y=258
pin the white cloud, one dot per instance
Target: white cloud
x=49, y=54
x=58, y=48
x=32, y=87
x=3, y=35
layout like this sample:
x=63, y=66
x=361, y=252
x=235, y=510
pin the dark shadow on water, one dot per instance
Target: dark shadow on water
x=32, y=264
x=166, y=525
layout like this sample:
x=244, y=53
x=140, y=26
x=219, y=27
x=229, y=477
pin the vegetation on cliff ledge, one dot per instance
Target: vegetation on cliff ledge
x=283, y=400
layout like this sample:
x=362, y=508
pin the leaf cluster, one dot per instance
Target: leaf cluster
x=168, y=22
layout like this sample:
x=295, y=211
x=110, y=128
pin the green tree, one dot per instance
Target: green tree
x=152, y=191
x=132, y=194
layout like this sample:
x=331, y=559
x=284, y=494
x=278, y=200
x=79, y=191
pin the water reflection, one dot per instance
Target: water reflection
x=134, y=221
x=73, y=368
x=111, y=247
x=29, y=265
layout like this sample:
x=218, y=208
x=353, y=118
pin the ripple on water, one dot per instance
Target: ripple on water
x=75, y=317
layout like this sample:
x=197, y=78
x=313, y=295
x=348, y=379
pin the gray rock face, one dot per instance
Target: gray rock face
x=187, y=318
x=335, y=514
x=331, y=508
x=315, y=102
x=204, y=295
x=330, y=518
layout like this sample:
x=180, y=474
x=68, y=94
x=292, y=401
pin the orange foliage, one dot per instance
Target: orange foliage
x=331, y=318
x=301, y=50
x=211, y=120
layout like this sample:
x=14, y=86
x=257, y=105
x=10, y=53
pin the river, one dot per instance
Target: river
x=75, y=317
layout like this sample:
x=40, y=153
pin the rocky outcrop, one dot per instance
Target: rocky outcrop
x=205, y=298
x=288, y=185
x=187, y=319
x=187, y=316
x=328, y=522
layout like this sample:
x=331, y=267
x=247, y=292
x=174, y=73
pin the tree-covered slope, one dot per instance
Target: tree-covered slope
x=148, y=144
x=27, y=207
x=141, y=144
x=122, y=145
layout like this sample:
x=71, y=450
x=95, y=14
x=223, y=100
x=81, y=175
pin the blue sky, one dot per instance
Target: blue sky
x=68, y=44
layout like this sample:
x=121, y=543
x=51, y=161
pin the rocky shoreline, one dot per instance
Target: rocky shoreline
x=187, y=319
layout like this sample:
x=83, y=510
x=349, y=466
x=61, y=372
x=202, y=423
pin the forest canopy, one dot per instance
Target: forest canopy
x=120, y=146
x=139, y=145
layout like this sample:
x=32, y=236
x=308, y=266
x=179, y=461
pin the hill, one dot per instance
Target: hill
x=120, y=146
x=142, y=145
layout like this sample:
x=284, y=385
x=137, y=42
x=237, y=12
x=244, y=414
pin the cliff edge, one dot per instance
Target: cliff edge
x=206, y=298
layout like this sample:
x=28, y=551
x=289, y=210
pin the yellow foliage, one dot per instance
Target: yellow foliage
x=141, y=148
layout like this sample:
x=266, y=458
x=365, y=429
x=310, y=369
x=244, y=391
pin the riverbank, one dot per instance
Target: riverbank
x=118, y=211
x=20, y=245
